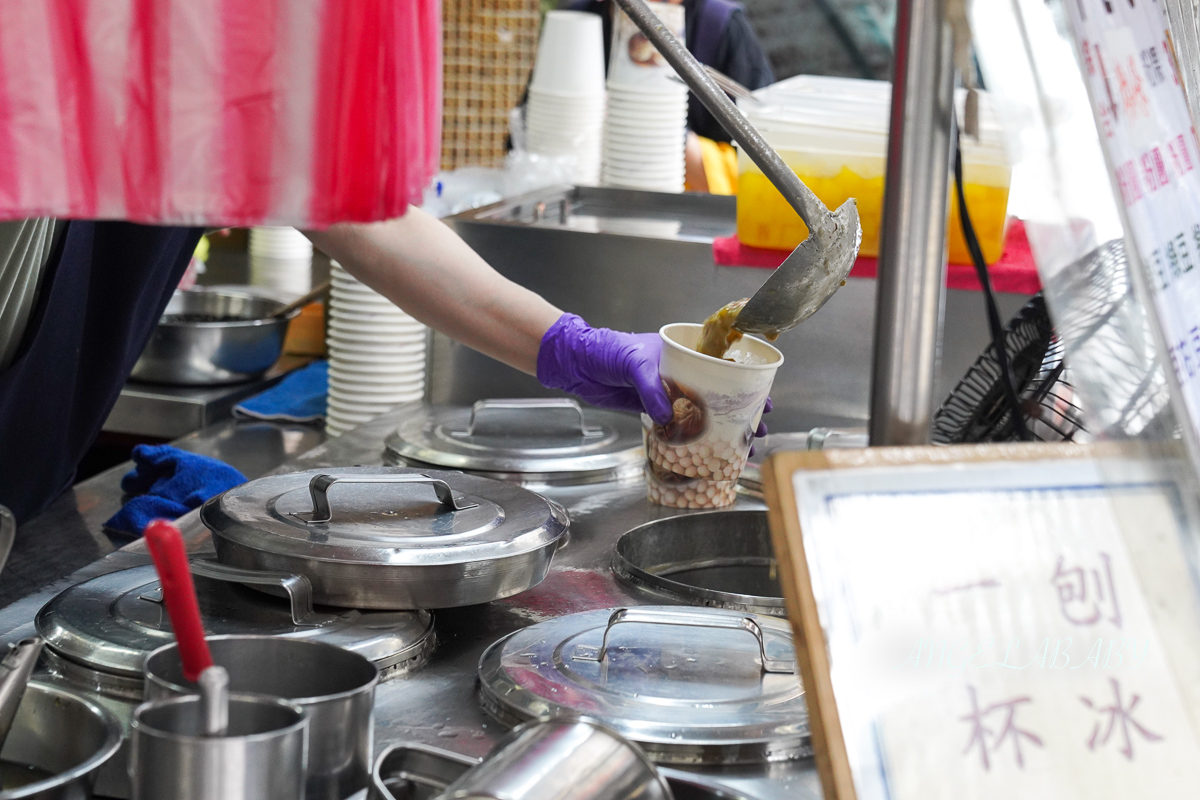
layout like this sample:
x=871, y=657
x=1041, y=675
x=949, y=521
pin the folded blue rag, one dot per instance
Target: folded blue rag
x=166, y=483
x=300, y=397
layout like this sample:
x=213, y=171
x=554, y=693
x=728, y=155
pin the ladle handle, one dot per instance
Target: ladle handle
x=686, y=620
x=214, y=697
x=165, y=543
x=320, y=485
x=814, y=213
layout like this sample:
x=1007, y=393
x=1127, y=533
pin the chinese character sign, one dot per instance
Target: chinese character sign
x=1148, y=134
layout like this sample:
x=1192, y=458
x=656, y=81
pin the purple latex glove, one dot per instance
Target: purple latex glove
x=606, y=368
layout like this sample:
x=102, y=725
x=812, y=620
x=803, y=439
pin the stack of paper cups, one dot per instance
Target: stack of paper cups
x=376, y=354
x=645, y=131
x=281, y=258
x=564, y=115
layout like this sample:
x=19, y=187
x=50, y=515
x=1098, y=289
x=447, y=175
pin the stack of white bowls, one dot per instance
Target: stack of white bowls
x=564, y=114
x=281, y=258
x=645, y=131
x=376, y=354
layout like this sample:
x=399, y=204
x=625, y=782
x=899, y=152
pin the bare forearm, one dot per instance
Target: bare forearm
x=425, y=268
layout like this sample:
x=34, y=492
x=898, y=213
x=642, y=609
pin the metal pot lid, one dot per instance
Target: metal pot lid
x=554, y=438
x=691, y=686
x=385, y=516
x=111, y=622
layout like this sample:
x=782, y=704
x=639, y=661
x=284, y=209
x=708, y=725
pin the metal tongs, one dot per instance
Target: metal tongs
x=822, y=262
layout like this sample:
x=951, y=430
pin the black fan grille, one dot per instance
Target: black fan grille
x=976, y=411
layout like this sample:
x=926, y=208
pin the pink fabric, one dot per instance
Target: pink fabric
x=1014, y=273
x=219, y=112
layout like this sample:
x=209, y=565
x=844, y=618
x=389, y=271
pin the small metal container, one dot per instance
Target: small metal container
x=188, y=353
x=721, y=559
x=61, y=733
x=390, y=538
x=420, y=772
x=334, y=686
x=527, y=441
x=261, y=756
x=559, y=759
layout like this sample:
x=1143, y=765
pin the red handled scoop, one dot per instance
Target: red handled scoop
x=179, y=593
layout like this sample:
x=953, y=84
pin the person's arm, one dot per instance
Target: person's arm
x=423, y=267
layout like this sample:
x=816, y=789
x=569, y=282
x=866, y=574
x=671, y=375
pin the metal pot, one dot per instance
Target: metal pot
x=531, y=441
x=260, y=757
x=372, y=537
x=334, y=686
x=557, y=758
x=186, y=353
x=63, y=734
x=690, y=686
x=721, y=559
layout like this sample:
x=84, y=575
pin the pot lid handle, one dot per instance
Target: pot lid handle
x=298, y=587
x=684, y=619
x=479, y=413
x=320, y=485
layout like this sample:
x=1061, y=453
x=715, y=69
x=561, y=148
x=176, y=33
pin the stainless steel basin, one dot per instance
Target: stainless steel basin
x=65, y=738
x=239, y=345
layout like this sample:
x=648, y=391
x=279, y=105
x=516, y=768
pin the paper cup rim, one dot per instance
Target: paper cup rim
x=668, y=341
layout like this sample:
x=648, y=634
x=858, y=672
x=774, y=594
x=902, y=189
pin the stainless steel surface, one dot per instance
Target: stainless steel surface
x=912, y=247
x=64, y=734
x=214, y=694
x=335, y=687
x=822, y=262
x=530, y=441
x=262, y=757
x=391, y=549
x=721, y=559
x=750, y=482
x=100, y=631
x=690, y=686
x=182, y=353
x=168, y=412
x=8, y=534
x=609, y=264
x=562, y=758
x=437, y=705
x=15, y=670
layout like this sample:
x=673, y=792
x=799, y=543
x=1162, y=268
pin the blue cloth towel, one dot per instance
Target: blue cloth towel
x=166, y=483
x=300, y=397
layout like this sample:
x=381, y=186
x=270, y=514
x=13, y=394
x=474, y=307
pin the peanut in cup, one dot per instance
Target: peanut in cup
x=695, y=460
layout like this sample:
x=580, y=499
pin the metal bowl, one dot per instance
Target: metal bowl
x=721, y=559
x=210, y=353
x=63, y=734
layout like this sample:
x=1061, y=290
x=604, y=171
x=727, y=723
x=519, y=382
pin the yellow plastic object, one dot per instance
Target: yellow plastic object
x=764, y=219
x=833, y=133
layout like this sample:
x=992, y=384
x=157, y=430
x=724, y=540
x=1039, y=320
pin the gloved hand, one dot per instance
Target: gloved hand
x=604, y=367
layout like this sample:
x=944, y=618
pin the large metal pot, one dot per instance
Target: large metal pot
x=191, y=353
x=374, y=537
x=64, y=736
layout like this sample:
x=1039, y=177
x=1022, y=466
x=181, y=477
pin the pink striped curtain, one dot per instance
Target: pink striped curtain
x=218, y=112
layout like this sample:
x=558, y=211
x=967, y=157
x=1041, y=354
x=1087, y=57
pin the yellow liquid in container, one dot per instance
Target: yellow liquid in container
x=764, y=218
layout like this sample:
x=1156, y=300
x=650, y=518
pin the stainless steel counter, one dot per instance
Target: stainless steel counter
x=437, y=704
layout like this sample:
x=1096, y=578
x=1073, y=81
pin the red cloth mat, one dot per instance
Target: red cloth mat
x=1014, y=273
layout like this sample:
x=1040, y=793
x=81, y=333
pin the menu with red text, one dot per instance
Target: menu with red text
x=1151, y=143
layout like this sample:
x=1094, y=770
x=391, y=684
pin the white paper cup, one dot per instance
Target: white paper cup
x=570, y=54
x=695, y=460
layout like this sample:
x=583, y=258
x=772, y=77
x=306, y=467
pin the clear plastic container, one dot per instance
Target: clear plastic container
x=833, y=133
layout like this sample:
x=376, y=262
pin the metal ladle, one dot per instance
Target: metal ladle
x=822, y=262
